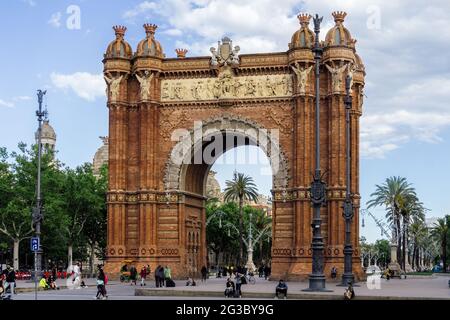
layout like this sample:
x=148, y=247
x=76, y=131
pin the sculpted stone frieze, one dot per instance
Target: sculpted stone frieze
x=226, y=86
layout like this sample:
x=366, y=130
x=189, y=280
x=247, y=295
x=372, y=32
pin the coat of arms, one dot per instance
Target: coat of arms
x=225, y=54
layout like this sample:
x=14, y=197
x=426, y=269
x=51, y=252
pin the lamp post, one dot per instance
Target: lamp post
x=37, y=211
x=348, y=276
x=318, y=187
x=250, y=265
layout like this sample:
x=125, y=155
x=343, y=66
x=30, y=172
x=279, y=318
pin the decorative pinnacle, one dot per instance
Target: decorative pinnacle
x=150, y=29
x=120, y=31
x=339, y=16
x=181, y=53
x=304, y=18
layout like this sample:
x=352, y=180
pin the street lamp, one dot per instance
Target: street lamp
x=37, y=211
x=250, y=265
x=318, y=187
x=348, y=276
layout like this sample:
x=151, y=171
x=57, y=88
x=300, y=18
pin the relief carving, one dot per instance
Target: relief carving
x=227, y=86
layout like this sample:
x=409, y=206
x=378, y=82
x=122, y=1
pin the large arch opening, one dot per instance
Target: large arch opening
x=237, y=143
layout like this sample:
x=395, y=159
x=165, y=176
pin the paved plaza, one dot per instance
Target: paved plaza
x=411, y=288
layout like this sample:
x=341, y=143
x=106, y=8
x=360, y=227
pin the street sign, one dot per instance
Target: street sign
x=34, y=244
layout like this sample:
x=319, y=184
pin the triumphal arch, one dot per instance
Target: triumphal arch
x=165, y=114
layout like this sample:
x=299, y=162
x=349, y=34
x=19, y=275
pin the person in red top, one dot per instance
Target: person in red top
x=143, y=275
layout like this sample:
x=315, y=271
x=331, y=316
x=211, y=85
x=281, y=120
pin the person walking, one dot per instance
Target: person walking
x=143, y=275
x=161, y=276
x=238, y=278
x=204, y=272
x=101, y=279
x=333, y=272
x=266, y=272
x=76, y=276
x=157, y=282
x=133, y=275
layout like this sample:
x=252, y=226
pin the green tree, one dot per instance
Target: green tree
x=383, y=249
x=218, y=234
x=82, y=199
x=418, y=232
x=440, y=232
x=392, y=194
x=95, y=227
x=20, y=197
x=239, y=189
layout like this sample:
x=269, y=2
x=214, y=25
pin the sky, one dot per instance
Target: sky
x=58, y=46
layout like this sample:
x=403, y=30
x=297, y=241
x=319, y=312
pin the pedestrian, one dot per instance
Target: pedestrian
x=149, y=271
x=204, y=272
x=266, y=272
x=133, y=275
x=333, y=272
x=281, y=288
x=161, y=276
x=10, y=281
x=238, y=278
x=143, y=275
x=167, y=274
x=261, y=271
x=76, y=276
x=157, y=276
x=101, y=291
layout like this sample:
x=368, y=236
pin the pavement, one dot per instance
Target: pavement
x=394, y=289
x=423, y=289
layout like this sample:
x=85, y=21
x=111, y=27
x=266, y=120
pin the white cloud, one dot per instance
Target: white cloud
x=173, y=32
x=55, y=20
x=6, y=104
x=85, y=85
x=139, y=9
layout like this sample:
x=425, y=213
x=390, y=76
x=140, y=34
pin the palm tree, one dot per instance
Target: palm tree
x=419, y=235
x=391, y=194
x=410, y=209
x=239, y=189
x=440, y=233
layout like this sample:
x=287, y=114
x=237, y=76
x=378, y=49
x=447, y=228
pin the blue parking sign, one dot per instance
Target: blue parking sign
x=34, y=244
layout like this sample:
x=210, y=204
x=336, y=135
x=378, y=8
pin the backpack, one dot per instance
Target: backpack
x=106, y=279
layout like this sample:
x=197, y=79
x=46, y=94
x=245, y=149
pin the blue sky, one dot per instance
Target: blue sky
x=405, y=129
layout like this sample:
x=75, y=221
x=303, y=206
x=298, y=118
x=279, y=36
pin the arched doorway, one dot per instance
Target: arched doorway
x=192, y=158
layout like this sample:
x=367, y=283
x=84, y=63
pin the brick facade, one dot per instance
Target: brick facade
x=156, y=210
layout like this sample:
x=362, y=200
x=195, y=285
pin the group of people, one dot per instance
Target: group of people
x=48, y=283
x=163, y=277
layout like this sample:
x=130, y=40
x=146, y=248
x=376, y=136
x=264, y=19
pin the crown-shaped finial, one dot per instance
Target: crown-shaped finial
x=150, y=29
x=339, y=16
x=181, y=53
x=304, y=18
x=120, y=31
